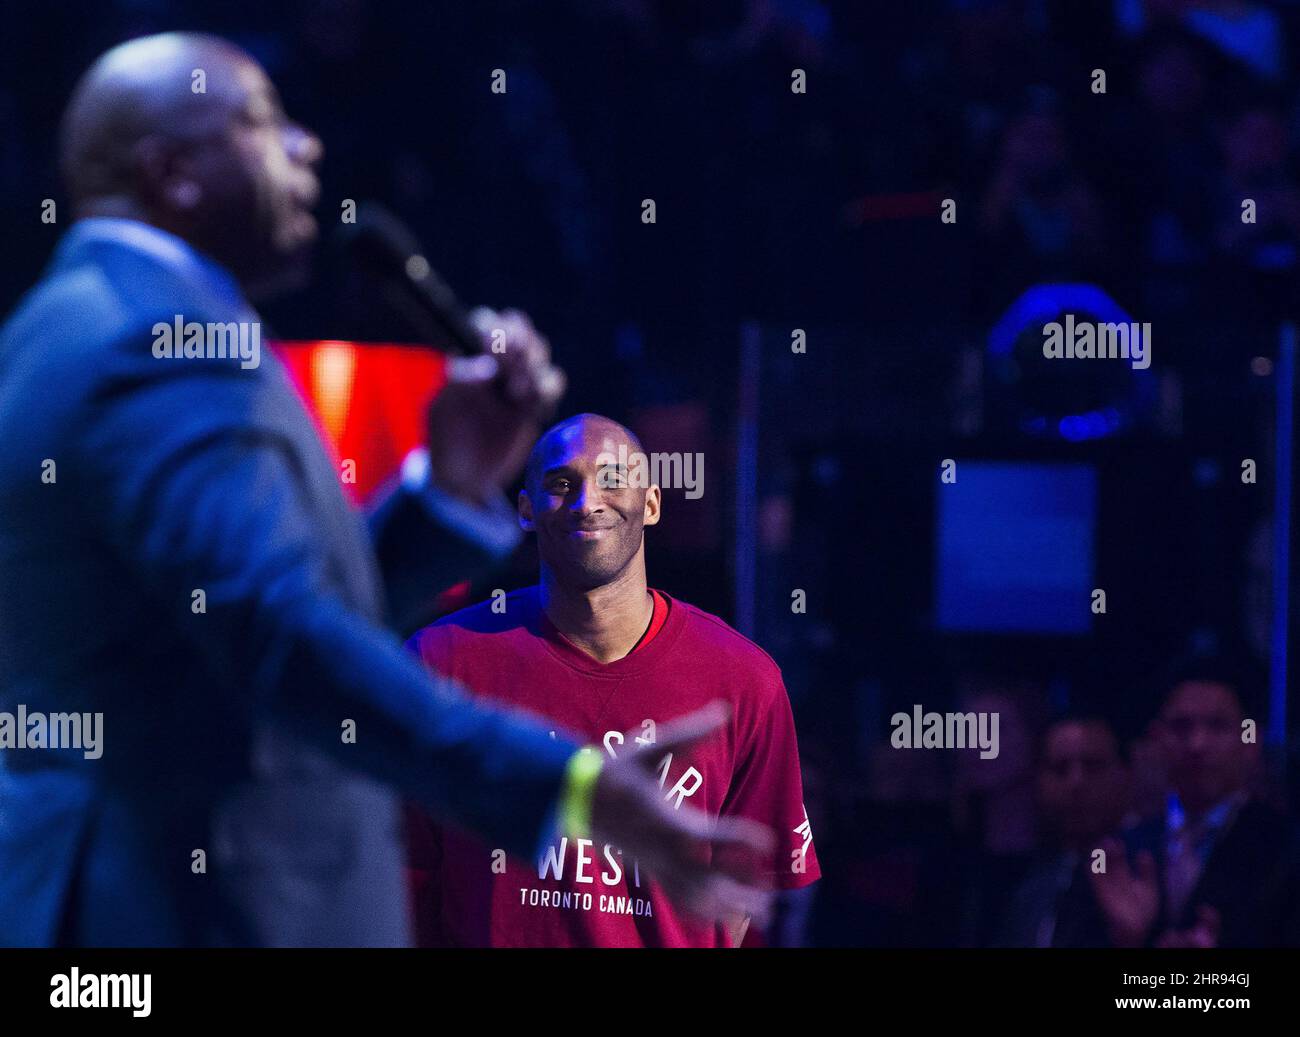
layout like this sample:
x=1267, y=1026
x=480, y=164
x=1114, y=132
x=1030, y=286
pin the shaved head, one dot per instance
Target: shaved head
x=575, y=428
x=186, y=132
x=142, y=88
x=588, y=514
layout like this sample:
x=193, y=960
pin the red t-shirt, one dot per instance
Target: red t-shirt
x=580, y=894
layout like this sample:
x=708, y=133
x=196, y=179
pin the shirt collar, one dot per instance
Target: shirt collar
x=171, y=251
x=1213, y=820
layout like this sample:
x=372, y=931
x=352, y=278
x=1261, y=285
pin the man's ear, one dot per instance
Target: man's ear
x=525, y=512
x=652, y=505
x=164, y=169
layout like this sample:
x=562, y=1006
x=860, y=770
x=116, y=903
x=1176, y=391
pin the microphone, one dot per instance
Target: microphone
x=383, y=247
x=387, y=251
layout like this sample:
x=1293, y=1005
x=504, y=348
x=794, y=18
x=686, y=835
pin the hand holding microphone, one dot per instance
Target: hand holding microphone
x=485, y=420
x=516, y=358
x=501, y=385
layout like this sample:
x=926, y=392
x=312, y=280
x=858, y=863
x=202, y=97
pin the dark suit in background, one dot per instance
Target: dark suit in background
x=1054, y=906
x=1250, y=876
x=222, y=729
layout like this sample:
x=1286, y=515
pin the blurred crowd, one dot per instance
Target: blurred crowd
x=1115, y=142
x=1073, y=836
x=772, y=205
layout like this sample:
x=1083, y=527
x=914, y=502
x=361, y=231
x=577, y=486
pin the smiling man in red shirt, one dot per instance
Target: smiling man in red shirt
x=599, y=654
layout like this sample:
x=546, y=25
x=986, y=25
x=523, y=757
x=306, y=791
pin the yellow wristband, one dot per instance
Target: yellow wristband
x=579, y=791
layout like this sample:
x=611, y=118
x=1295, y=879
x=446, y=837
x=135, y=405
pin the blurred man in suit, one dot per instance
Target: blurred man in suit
x=176, y=554
x=1082, y=793
x=1218, y=867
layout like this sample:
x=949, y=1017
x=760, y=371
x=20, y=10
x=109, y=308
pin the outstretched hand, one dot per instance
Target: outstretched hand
x=710, y=866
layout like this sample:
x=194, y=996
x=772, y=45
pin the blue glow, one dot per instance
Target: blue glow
x=1015, y=548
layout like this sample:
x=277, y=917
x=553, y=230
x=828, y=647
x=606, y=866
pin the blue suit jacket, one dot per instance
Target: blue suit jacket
x=222, y=728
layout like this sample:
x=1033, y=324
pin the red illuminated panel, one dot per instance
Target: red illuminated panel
x=367, y=399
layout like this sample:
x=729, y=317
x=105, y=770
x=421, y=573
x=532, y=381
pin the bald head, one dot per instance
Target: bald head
x=143, y=88
x=186, y=132
x=580, y=427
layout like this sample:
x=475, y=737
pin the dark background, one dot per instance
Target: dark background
x=821, y=212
